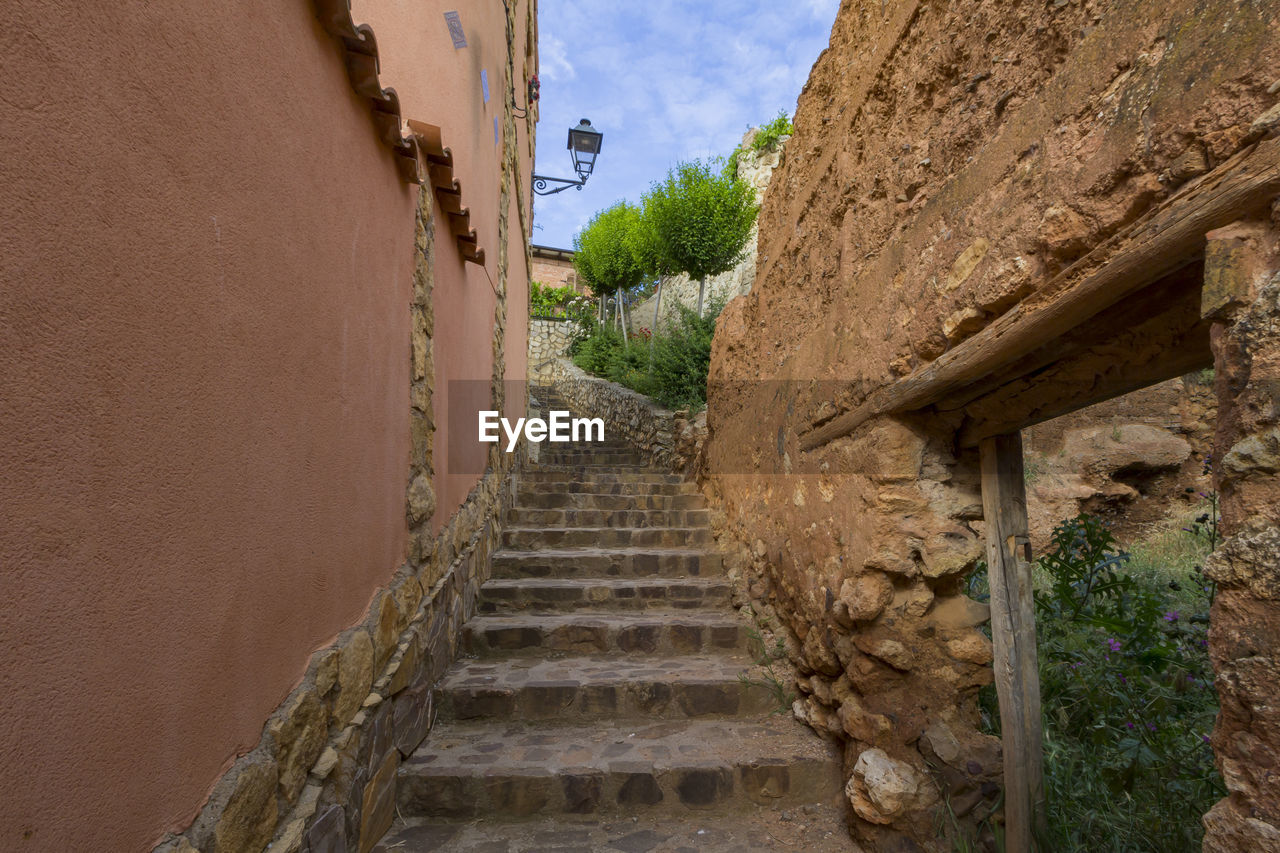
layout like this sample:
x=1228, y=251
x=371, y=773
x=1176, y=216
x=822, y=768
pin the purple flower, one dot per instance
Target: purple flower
x=1205, y=738
x=1113, y=644
x=1124, y=680
x=1130, y=725
x=1151, y=726
x=1171, y=616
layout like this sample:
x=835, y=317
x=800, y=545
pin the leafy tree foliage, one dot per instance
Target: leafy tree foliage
x=697, y=221
x=603, y=253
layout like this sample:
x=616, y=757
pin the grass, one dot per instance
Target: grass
x=766, y=657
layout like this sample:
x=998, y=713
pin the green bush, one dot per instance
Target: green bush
x=1127, y=695
x=671, y=368
x=767, y=138
x=556, y=302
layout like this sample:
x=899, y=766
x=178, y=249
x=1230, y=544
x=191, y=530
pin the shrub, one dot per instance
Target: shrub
x=768, y=137
x=554, y=302
x=1127, y=695
x=670, y=366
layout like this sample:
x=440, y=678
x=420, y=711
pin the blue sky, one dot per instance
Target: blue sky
x=665, y=80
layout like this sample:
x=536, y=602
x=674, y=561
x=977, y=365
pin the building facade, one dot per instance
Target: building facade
x=258, y=263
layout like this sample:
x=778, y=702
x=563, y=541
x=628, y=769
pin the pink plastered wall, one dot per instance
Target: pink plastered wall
x=205, y=262
x=447, y=90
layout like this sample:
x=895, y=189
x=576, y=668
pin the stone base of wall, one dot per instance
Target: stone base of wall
x=323, y=776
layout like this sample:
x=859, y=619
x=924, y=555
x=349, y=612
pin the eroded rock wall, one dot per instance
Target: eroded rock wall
x=948, y=161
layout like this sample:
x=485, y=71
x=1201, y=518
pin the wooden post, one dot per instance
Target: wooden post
x=1013, y=634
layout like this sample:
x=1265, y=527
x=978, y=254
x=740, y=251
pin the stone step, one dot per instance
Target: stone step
x=601, y=563
x=580, y=474
x=528, y=517
x=545, y=594
x=525, y=488
x=585, y=633
x=678, y=767
x=648, y=632
x=578, y=689
x=533, y=538
x=813, y=828
x=555, y=499
x=592, y=456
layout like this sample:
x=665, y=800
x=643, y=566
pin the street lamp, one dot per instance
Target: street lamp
x=584, y=145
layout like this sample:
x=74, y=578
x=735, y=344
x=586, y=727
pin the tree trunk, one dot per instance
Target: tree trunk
x=622, y=317
x=600, y=313
x=702, y=288
x=657, y=307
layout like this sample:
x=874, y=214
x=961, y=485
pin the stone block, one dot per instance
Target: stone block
x=328, y=833
x=704, y=787
x=355, y=677
x=249, y=818
x=866, y=596
x=411, y=713
x=378, y=807
x=299, y=733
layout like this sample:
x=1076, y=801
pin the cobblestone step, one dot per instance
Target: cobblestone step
x=579, y=689
x=611, y=562
x=532, y=538
x=650, y=632
x=679, y=767
x=568, y=474
x=529, y=517
x=518, y=594
x=813, y=828
x=594, y=457
x=598, y=487
x=552, y=499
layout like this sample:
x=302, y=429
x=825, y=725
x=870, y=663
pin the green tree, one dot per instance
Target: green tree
x=697, y=222
x=604, y=254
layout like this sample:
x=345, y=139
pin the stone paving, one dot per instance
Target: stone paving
x=601, y=704
x=816, y=829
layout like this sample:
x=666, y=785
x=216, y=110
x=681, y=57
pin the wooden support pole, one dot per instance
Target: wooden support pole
x=1013, y=634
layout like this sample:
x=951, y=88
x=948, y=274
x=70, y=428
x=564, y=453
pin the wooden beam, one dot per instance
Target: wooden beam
x=1175, y=293
x=1013, y=635
x=1157, y=244
x=1114, y=359
x=1070, y=386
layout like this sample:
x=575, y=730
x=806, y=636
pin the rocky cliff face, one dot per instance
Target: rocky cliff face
x=949, y=160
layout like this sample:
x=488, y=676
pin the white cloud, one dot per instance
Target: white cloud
x=665, y=80
x=553, y=60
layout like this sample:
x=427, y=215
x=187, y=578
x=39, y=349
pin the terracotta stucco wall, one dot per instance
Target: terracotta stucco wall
x=448, y=92
x=206, y=259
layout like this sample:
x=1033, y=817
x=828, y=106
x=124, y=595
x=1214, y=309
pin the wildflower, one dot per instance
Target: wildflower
x=1171, y=616
x=1113, y=644
x=1130, y=725
x=1204, y=738
x=1151, y=726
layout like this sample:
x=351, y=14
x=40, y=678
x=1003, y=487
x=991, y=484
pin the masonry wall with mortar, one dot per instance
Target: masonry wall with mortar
x=549, y=341
x=948, y=161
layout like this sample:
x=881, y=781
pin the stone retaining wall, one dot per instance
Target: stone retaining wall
x=548, y=340
x=628, y=416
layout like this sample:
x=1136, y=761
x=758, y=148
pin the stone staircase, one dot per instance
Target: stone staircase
x=599, y=706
